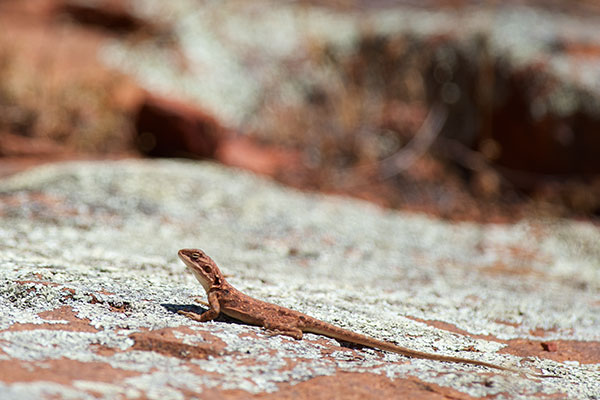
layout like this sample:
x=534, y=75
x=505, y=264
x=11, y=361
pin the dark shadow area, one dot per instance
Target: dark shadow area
x=175, y=308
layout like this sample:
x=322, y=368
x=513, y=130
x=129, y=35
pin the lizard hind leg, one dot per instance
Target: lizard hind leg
x=274, y=329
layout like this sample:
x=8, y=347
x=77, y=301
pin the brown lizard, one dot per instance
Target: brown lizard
x=224, y=298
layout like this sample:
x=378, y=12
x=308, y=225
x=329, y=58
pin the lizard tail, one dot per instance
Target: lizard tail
x=344, y=335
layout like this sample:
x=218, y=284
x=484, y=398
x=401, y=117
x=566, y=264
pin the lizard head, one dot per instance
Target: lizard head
x=202, y=266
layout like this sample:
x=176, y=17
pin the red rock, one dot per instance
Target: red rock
x=262, y=159
x=108, y=15
x=549, y=346
x=169, y=128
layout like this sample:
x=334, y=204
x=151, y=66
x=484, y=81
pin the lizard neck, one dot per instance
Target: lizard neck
x=219, y=283
x=216, y=282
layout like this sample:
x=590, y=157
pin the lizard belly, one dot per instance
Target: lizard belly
x=242, y=316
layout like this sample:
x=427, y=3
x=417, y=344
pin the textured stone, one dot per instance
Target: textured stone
x=90, y=286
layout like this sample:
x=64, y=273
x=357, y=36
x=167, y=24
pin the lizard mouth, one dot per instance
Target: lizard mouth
x=185, y=257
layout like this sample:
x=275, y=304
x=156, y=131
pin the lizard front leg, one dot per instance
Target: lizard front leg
x=208, y=315
x=199, y=300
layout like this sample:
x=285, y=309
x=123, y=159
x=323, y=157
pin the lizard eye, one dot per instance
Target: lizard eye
x=195, y=255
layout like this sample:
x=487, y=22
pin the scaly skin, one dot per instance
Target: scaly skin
x=224, y=298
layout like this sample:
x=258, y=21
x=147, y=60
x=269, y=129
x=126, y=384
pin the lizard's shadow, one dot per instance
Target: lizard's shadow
x=175, y=308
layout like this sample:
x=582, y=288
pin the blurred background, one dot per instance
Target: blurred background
x=465, y=110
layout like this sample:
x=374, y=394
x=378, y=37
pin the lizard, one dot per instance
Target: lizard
x=224, y=298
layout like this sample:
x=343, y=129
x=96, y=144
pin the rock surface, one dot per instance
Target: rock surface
x=90, y=287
